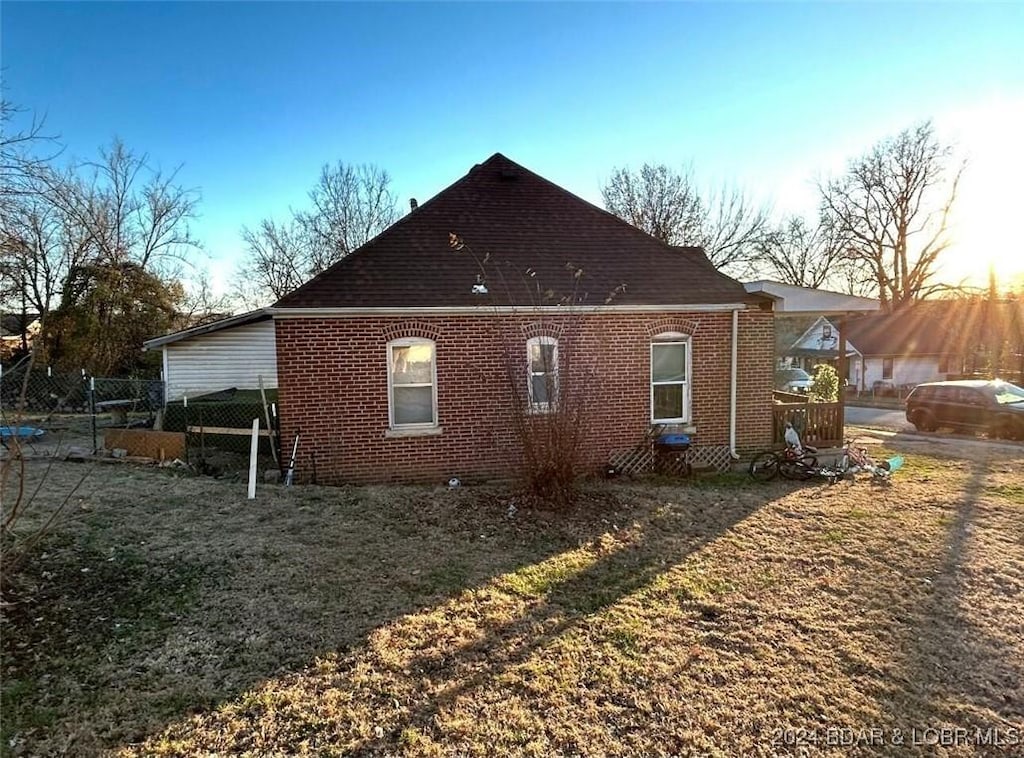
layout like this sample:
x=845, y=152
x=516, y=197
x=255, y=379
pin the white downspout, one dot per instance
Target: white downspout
x=165, y=374
x=732, y=384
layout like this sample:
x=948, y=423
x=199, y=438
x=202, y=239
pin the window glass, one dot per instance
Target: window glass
x=668, y=401
x=542, y=357
x=887, y=368
x=971, y=397
x=668, y=363
x=413, y=405
x=669, y=381
x=411, y=383
x=1007, y=393
x=539, y=390
x=412, y=364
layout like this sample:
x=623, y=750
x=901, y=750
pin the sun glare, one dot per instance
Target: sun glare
x=983, y=229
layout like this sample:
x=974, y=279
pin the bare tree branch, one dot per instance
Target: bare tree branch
x=349, y=205
x=667, y=205
x=886, y=205
x=804, y=256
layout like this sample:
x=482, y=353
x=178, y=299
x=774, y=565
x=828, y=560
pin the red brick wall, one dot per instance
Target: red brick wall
x=333, y=388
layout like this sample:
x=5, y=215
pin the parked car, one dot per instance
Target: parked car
x=792, y=380
x=995, y=407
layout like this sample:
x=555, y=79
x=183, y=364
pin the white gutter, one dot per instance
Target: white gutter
x=469, y=310
x=732, y=383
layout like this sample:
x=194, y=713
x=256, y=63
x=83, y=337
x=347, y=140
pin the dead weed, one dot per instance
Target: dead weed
x=172, y=617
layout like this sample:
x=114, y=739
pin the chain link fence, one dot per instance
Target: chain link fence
x=41, y=391
x=43, y=398
x=81, y=409
x=218, y=428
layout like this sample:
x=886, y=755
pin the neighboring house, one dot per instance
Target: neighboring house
x=804, y=333
x=930, y=341
x=232, y=352
x=900, y=349
x=17, y=332
x=394, y=363
x=789, y=298
x=819, y=343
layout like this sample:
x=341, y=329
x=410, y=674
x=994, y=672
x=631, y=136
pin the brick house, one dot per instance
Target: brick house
x=393, y=364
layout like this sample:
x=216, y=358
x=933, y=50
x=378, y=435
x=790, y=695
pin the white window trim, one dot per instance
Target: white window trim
x=409, y=342
x=673, y=338
x=530, y=373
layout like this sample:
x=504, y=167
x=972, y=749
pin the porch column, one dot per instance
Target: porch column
x=844, y=371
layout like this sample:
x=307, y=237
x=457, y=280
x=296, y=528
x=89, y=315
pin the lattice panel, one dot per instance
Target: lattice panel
x=634, y=461
x=643, y=460
x=710, y=456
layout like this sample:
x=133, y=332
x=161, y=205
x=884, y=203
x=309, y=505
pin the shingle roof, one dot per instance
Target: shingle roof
x=914, y=331
x=522, y=222
x=15, y=324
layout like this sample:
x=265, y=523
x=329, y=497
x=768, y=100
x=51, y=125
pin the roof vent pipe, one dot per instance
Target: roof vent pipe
x=413, y=205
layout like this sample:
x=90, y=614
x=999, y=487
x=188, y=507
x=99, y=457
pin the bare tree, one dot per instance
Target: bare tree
x=30, y=230
x=200, y=304
x=130, y=211
x=19, y=151
x=348, y=205
x=667, y=205
x=114, y=211
x=662, y=202
x=278, y=261
x=39, y=247
x=894, y=203
x=70, y=237
x=802, y=255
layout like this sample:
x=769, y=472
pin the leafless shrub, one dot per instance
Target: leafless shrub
x=20, y=536
x=549, y=367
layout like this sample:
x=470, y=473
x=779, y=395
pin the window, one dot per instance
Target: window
x=826, y=332
x=412, y=383
x=670, y=385
x=542, y=363
x=967, y=396
x=887, y=368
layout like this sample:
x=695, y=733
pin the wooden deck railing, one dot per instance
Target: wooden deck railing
x=819, y=424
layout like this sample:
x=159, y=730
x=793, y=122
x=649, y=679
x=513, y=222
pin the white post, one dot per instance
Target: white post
x=253, y=449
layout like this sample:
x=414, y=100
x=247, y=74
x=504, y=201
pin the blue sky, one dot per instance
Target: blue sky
x=253, y=97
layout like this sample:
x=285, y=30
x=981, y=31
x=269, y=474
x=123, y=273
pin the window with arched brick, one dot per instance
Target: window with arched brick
x=670, y=378
x=412, y=383
x=542, y=367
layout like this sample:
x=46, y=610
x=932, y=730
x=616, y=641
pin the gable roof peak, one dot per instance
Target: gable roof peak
x=526, y=222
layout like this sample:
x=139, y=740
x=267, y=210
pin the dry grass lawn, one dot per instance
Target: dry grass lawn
x=169, y=616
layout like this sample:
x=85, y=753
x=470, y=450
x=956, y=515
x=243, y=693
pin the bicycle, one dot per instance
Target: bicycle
x=855, y=460
x=794, y=462
x=801, y=463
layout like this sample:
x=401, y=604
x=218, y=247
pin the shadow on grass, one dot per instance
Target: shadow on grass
x=172, y=596
x=663, y=542
x=962, y=664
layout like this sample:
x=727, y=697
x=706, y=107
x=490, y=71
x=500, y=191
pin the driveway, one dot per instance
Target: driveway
x=878, y=418
x=893, y=425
